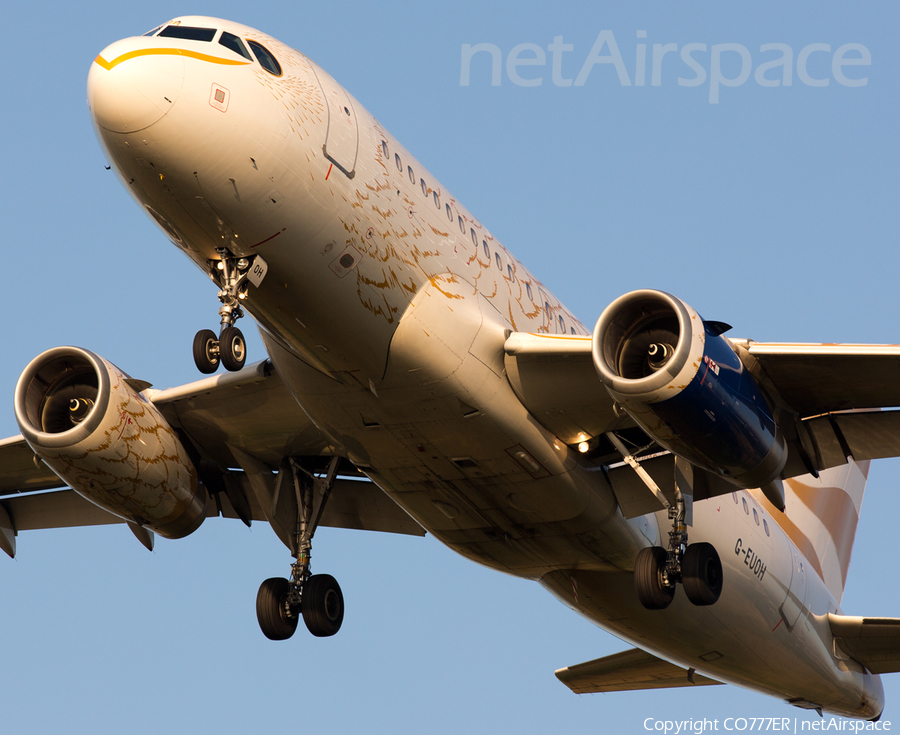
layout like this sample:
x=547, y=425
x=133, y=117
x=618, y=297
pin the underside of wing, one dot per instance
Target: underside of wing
x=21, y=471
x=248, y=414
x=828, y=400
x=355, y=504
x=836, y=393
x=873, y=642
x=628, y=671
x=250, y=409
x=818, y=378
x=555, y=379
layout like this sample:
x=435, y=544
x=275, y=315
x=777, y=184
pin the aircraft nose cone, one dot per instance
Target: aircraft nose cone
x=132, y=85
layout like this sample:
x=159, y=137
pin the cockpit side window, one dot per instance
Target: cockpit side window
x=189, y=33
x=232, y=42
x=266, y=60
x=153, y=32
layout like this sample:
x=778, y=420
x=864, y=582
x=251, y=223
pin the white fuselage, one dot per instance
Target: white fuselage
x=385, y=308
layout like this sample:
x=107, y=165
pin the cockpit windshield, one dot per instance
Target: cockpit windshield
x=189, y=33
x=265, y=58
x=230, y=41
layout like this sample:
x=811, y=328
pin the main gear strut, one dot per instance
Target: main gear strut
x=317, y=597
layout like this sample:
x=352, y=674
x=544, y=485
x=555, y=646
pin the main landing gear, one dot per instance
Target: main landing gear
x=696, y=566
x=229, y=348
x=317, y=597
x=658, y=570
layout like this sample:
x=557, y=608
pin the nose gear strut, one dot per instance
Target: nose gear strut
x=233, y=276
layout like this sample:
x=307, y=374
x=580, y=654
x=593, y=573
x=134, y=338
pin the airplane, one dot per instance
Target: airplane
x=407, y=346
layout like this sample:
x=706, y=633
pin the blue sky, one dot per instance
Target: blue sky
x=773, y=209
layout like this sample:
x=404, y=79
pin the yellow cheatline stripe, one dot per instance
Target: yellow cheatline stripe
x=166, y=52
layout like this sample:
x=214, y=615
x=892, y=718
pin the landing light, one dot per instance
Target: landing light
x=583, y=447
x=243, y=264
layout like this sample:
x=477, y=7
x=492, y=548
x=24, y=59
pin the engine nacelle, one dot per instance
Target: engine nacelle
x=110, y=444
x=684, y=384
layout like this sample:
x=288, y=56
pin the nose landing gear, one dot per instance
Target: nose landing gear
x=233, y=276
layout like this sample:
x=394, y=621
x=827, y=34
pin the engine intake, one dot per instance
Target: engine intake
x=685, y=385
x=111, y=445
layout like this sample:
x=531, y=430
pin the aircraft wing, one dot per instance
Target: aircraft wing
x=819, y=378
x=248, y=412
x=815, y=384
x=555, y=379
x=873, y=642
x=628, y=671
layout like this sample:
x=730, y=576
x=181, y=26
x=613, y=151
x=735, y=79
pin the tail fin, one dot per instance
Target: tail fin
x=821, y=517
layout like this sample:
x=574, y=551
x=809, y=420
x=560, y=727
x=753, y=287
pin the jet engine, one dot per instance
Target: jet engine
x=682, y=381
x=88, y=421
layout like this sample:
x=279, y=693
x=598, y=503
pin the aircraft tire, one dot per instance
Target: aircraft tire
x=648, y=584
x=233, y=348
x=274, y=622
x=205, y=356
x=323, y=605
x=701, y=571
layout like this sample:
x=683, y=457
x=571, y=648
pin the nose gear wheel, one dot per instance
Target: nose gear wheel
x=232, y=275
x=206, y=351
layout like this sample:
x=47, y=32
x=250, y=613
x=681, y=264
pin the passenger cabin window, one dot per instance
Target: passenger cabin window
x=528, y=291
x=571, y=330
x=412, y=176
x=233, y=43
x=265, y=59
x=509, y=273
x=437, y=200
x=189, y=33
x=473, y=236
x=462, y=225
x=766, y=526
x=398, y=162
x=424, y=187
x=487, y=251
x=562, y=325
x=497, y=260
x=449, y=213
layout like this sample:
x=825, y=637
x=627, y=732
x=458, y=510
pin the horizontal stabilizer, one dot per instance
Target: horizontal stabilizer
x=873, y=642
x=628, y=671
